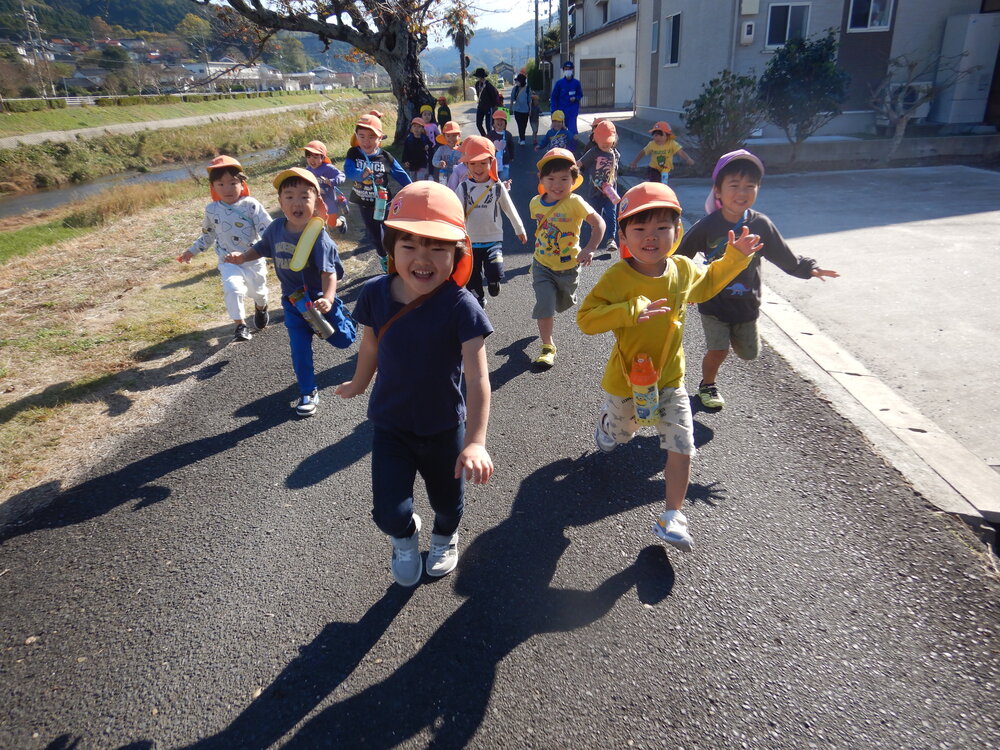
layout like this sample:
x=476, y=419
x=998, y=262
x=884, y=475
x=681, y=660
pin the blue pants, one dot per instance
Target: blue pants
x=375, y=228
x=397, y=457
x=608, y=212
x=300, y=336
x=487, y=261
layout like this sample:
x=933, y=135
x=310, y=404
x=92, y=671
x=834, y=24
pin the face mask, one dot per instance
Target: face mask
x=567, y=74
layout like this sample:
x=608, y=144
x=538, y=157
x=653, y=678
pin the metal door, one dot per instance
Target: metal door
x=598, y=80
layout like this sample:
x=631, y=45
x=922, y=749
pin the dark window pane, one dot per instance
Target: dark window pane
x=777, y=25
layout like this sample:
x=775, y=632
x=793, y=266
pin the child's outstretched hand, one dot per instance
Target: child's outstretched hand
x=523, y=238
x=186, y=257
x=654, y=308
x=236, y=258
x=475, y=462
x=747, y=243
x=818, y=273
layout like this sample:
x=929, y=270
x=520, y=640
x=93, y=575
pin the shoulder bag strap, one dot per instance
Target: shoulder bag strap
x=411, y=305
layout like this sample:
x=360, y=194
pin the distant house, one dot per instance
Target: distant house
x=504, y=71
x=601, y=46
x=681, y=44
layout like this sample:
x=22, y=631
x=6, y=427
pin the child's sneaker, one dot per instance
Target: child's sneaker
x=443, y=555
x=306, y=406
x=242, y=333
x=494, y=288
x=261, y=317
x=342, y=225
x=605, y=442
x=672, y=527
x=406, y=567
x=548, y=356
x=710, y=396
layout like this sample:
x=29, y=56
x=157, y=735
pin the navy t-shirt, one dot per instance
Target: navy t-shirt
x=418, y=385
x=278, y=244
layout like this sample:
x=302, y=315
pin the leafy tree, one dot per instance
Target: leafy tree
x=114, y=58
x=196, y=33
x=286, y=53
x=392, y=32
x=458, y=27
x=803, y=88
x=723, y=116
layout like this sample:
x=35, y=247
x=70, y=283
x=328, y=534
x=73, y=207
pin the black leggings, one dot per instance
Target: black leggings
x=522, y=122
x=483, y=115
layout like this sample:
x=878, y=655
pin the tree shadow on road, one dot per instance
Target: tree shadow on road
x=505, y=576
x=136, y=482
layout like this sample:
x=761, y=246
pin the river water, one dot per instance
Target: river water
x=42, y=200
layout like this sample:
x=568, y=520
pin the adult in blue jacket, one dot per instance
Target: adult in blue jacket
x=566, y=95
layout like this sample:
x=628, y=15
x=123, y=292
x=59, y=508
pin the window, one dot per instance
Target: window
x=869, y=15
x=672, y=40
x=786, y=21
x=654, y=45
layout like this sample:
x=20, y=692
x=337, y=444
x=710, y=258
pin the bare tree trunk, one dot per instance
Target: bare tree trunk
x=897, y=137
x=407, y=78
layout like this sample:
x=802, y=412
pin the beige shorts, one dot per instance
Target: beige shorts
x=675, y=425
x=555, y=291
x=743, y=337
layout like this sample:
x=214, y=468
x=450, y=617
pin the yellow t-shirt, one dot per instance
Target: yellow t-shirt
x=622, y=294
x=557, y=231
x=662, y=157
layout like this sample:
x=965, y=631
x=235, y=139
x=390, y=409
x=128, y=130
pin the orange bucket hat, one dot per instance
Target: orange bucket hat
x=430, y=209
x=418, y=121
x=662, y=125
x=500, y=114
x=318, y=148
x=305, y=174
x=605, y=134
x=478, y=148
x=218, y=163
x=370, y=122
x=644, y=197
x=449, y=128
x=558, y=153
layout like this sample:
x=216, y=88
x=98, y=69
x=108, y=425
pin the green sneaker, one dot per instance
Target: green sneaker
x=710, y=396
x=548, y=356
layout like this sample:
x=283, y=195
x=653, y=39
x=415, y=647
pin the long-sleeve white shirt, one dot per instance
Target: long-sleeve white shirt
x=233, y=228
x=483, y=202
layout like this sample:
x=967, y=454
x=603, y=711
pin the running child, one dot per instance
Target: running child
x=730, y=319
x=447, y=154
x=417, y=150
x=233, y=222
x=661, y=151
x=443, y=113
x=557, y=136
x=431, y=129
x=424, y=334
x=483, y=197
x=370, y=168
x=318, y=162
x=313, y=286
x=503, y=142
x=555, y=265
x=642, y=300
x=600, y=164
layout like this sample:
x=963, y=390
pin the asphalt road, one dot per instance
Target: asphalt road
x=219, y=583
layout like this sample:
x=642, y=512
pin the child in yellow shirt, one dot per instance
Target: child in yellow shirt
x=642, y=300
x=661, y=151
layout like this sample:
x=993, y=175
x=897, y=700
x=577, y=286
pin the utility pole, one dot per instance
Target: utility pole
x=563, y=31
x=537, y=61
x=35, y=44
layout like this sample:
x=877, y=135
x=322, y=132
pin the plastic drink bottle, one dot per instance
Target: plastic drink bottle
x=316, y=320
x=645, y=395
x=381, y=198
x=610, y=193
x=664, y=177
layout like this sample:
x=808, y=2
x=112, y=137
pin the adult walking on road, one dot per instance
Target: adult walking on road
x=488, y=99
x=520, y=104
x=566, y=96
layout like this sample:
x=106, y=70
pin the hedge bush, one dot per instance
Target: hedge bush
x=25, y=105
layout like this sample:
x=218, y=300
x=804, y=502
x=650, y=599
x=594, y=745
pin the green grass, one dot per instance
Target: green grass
x=24, y=241
x=72, y=118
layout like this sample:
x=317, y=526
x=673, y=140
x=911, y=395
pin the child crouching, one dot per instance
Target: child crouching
x=642, y=300
x=422, y=331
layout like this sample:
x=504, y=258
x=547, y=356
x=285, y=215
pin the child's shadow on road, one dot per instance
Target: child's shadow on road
x=505, y=576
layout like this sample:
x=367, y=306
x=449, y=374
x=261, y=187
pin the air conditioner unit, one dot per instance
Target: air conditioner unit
x=746, y=33
x=913, y=92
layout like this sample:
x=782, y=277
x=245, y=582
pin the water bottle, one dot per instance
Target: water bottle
x=317, y=321
x=664, y=177
x=645, y=395
x=610, y=193
x=381, y=199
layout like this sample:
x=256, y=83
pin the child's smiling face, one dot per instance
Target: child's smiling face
x=480, y=170
x=298, y=203
x=650, y=235
x=367, y=140
x=228, y=187
x=557, y=184
x=659, y=137
x=451, y=139
x=423, y=263
x=499, y=124
x=736, y=193
x=313, y=160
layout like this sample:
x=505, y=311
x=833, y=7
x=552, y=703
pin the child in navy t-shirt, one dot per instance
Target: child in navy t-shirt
x=424, y=333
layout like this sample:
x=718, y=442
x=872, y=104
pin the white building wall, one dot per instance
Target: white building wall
x=617, y=44
x=917, y=35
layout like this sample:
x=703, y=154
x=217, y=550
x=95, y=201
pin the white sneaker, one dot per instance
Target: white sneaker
x=406, y=567
x=443, y=555
x=520, y=142
x=306, y=405
x=672, y=527
x=605, y=443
